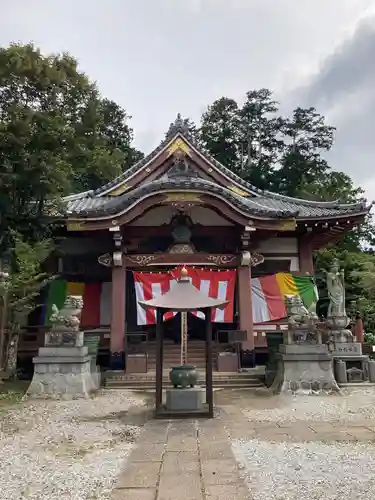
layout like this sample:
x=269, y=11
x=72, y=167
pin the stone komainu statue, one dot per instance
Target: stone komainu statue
x=69, y=316
x=301, y=321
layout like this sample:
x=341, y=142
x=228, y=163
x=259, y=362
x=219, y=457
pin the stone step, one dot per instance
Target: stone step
x=200, y=381
x=177, y=352
x=177, y=360
x=145, y=381
x=152, y=368
x=151, y=387
x=134, y=378
x=217, y=384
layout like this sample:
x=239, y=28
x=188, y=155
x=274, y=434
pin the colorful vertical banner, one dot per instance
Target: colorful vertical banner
x=268, y=294
x=96, y=301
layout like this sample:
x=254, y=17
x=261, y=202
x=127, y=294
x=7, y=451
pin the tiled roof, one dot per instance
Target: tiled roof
x=95, y=206
x=310, y=210
x=261, y=203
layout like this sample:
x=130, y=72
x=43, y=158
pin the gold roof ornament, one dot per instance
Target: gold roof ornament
x=179, y=145
x=287, y=225
x=188, y=196
x=75, y=226
x=238, y=191
x=117, y=191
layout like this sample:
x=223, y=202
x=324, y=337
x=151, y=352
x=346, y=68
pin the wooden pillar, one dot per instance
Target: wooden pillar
x=305, y=253
x=159, y=361
x=118, y=338
x=209, y=382
x=245, y=305
x=358, y=330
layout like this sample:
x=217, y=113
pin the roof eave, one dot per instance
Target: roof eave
x=348, y=215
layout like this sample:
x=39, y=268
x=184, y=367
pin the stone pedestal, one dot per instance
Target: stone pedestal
x=136, y=363
x=61, y=371
x=343, y=349
x=305, y=369
x=350, y=365
x=227, y=362
x=371, y=370
x=354, y=366
x=189, y=399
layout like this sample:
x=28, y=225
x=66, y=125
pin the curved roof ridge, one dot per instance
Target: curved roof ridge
x=181, y=127
x=138, y=165
x=327, y=204
x=251, y=189
x=209, y=184
x=78, y=196
x=113, y=204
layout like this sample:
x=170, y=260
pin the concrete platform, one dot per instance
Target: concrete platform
x=188, y=399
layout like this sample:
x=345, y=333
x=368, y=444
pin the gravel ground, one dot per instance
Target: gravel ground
x=285, y=471
x=311, y=470
x=65, y=449
x=351, y=405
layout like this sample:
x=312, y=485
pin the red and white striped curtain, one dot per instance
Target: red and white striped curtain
x=216, y=284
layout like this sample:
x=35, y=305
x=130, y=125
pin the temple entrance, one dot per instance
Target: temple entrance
x=195, y=328
x=172, y=327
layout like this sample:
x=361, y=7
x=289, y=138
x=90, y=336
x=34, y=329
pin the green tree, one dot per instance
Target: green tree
x=21, y=281
x=102, y=146
x=281, y=154
x=57, y=136
x=219, y=132
x=260, y=140
x=306, y=136
x=244, y=138
x=359, y=269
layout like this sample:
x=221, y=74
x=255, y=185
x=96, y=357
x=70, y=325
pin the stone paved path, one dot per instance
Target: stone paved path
x=182, y=459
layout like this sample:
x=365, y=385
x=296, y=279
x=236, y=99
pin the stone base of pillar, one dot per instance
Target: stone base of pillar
x=117, y=361
x=64, y=372
x=304, y=369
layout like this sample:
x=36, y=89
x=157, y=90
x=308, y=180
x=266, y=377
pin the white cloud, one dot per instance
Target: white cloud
x=156, y=58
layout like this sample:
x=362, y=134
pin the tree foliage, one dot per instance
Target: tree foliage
x=219, y=132
x=279, y=153
x=57, y=136
x=286, y=155
x=19, y=292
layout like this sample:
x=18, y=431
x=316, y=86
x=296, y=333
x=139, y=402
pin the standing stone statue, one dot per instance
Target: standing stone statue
x=337, y=318
x=336, y=290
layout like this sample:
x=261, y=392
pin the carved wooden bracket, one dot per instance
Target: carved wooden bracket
x=106, y=260
x=251, y=259
x=256, y=259
x=176, y=259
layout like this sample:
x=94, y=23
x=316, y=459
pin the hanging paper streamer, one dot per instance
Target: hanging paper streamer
x=216, y=284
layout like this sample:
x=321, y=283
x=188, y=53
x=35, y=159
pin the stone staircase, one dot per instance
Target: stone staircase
x=196, y=357
x=172, y=354
x=146, y=381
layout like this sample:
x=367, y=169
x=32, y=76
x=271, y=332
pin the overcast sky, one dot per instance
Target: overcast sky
x=160, y=57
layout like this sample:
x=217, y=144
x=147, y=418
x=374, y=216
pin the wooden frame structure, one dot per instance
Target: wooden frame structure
x=226, y=222
x=183, y=297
